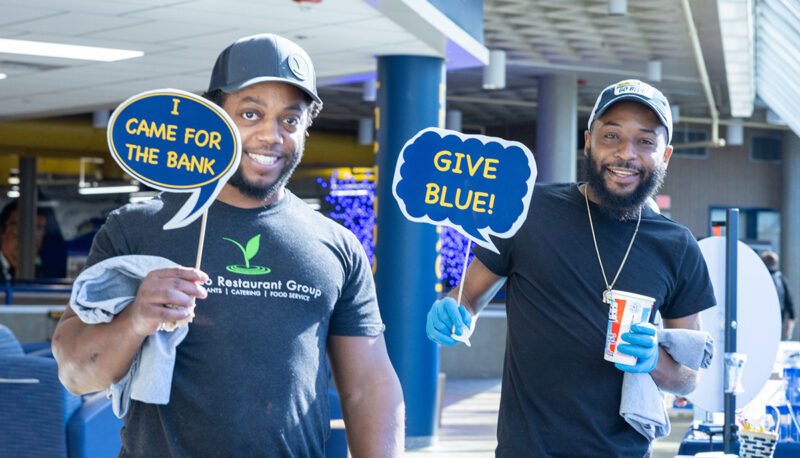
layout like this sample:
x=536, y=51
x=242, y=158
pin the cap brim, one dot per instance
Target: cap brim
x=643, y=101
x=231, y=88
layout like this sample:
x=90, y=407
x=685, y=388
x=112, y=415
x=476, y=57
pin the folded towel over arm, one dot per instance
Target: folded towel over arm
x=642, y=405
x=101, y=292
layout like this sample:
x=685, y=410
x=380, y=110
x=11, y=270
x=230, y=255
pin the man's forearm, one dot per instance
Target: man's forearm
x=475, y=304
x=92, y=357
x=374, y=420
x=673, y=377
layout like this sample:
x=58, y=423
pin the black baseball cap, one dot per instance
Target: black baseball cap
x=637, y=91
x=260, y=58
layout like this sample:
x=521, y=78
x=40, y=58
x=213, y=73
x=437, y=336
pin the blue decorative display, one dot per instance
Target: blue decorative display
x=454, y=247
x=352, y=202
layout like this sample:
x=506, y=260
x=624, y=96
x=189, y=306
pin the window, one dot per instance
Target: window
x=765, y=149
x=683, y=136
x=760, y=228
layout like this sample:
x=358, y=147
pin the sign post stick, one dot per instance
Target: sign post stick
x=202, y=238
x=464, y=271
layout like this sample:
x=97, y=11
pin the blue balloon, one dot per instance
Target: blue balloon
x=176, y=141
x=475, y=184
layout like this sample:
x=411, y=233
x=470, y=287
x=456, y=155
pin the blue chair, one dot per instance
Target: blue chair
x=40, y=418
x=336, y=445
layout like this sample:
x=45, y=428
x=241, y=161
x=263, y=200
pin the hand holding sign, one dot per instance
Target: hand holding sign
x=478, y=185
x=180, y=142
x=176, y=141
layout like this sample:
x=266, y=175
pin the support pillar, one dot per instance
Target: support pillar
x=411, y=95
x=557, y=128
x=26, y=212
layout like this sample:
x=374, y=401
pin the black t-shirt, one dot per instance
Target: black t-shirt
x=559, y=396
x=250, y=377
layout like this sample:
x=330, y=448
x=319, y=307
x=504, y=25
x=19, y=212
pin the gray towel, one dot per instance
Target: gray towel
x=102, y=291
x=642, y=405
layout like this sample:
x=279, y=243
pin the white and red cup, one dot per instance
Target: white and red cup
x=625, y=310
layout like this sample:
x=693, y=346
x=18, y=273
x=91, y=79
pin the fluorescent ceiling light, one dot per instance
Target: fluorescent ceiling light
x=107, y=189
x=40, y=48
x=140, y=196
x=2, y=76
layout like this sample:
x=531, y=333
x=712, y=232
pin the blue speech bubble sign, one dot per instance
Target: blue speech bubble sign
x=176, y=141
x=478, y=185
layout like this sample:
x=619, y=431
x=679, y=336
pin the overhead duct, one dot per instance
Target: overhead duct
x=715, y=142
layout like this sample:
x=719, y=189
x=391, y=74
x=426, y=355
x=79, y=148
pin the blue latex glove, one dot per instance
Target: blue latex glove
x=443, y=315
x=642, y=342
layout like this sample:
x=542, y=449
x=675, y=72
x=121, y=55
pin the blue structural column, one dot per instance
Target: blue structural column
x=557, y=128
x=411, y=91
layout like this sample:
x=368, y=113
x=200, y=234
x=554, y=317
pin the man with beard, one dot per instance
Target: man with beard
x=251, y=376
x=560, y=397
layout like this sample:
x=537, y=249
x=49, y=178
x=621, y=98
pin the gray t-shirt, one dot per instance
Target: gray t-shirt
x=251, y=377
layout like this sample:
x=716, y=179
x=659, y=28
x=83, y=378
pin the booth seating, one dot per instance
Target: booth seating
x=41, y=418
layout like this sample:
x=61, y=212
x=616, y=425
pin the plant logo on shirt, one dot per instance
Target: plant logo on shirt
x=248, y=253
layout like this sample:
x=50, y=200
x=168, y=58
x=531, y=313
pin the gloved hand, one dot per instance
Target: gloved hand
x=642, y=342
x=443, y=315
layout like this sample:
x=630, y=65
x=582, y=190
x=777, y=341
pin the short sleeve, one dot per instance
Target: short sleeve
x=498, y=263
x=108, y=242
x=356, y=312
x=693, y=292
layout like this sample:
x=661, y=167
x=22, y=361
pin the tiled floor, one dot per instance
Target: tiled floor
x=469, y=423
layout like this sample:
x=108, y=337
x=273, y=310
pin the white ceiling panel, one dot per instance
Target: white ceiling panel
x=327, y=12
x=75, y=23
x=18, y=87
x=189, y=13
x=14, y=14
x=157, y=32
x=181, y=39
x=105, y=7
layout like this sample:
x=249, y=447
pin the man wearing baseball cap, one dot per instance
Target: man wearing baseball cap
x=251, y=377
x=581, y=244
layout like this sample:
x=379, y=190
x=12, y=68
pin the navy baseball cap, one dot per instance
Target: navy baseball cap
x=259, y=58
x=637, y=91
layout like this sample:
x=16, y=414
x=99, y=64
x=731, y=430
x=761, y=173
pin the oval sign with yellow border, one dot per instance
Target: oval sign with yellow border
x=176, y=141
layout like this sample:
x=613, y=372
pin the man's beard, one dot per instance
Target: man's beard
x=255, y=191
x=622, y=207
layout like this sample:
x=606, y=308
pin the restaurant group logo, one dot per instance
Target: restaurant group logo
x=248, y=252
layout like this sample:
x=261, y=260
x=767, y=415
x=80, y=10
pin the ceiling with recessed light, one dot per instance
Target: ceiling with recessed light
x=181, y=38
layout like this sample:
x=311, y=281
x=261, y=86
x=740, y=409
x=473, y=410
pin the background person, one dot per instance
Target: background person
x=9, y=240
x=559, y=396
x=251, y=376
x=788, y=320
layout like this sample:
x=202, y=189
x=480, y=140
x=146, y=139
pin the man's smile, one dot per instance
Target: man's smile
x=263, y=159
x=624, y=175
